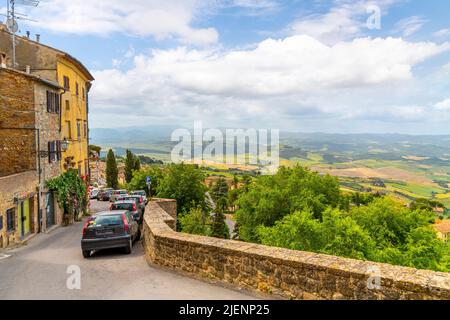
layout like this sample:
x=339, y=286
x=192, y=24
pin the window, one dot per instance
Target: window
x=83, y=93
x=10, y=220
x=78, y=129
x=66, y=83
x=54, y=151
x=79, y=169
x=1, y=223
x=53, y=102
x=68, y=130
x=77, y=92
x=85, y=129
x=67, y=105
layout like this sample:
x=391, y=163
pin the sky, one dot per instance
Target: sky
x=335, y=66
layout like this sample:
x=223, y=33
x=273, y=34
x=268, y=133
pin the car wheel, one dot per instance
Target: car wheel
x=86, y=253
x=129, y=247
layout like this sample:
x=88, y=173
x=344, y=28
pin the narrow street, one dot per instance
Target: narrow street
x=39, y=271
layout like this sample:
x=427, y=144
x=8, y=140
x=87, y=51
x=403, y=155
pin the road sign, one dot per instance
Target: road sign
x=148, y=180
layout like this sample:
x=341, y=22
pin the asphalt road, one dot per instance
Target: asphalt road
x=39, y=271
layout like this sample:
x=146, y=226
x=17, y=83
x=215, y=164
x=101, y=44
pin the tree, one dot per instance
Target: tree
x=219, y=193
x=139, y=179
x=270, y=198
x=219, y=227
x=425, y=204
x=185, y=183
x=233, y=196
x=137, y=164
x=112, y=173
x=196, y=222
x=130, y=163
x=235, y=181
x=95, y=149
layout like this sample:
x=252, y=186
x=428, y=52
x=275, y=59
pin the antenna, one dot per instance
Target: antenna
x=11, y=21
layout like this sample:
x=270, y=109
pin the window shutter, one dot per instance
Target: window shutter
x=57, y=103
x=58, y=150
x=49, y=152
x=48, y=101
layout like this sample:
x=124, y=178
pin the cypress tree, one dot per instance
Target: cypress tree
x=137, y=163
x=112, y=173
x=129, y=166
x=219, y=227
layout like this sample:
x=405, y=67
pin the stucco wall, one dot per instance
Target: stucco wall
x=281, y=272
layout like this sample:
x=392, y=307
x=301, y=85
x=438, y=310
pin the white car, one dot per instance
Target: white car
x=93, y=194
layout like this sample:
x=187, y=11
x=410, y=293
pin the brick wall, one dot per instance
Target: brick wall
x=17, y=147
x=281, y=272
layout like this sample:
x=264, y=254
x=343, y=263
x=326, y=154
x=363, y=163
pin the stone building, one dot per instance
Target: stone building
x=30, y=154
x=59, y=67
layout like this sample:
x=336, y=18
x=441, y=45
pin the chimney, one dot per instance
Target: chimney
x=38, y=38
x=28, y=69
x=28, y=34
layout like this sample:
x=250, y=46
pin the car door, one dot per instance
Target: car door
x=133, y=225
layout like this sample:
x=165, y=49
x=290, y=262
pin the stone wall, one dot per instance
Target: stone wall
x=17, y=134
x=281, y=272
x=41, y=59
x=19, y=186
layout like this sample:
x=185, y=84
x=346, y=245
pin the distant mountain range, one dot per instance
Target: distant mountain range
x=156, y=140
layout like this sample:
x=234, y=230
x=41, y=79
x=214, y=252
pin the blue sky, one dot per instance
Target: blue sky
x=294, y=65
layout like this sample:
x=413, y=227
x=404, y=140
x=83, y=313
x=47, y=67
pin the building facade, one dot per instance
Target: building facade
x=60, y=67
x=30, y=154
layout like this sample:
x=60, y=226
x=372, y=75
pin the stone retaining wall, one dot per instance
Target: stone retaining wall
x=281, y=272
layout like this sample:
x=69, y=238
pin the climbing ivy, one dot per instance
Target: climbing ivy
x=70, y=191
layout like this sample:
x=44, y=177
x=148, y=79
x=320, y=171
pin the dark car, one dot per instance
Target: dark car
x=129, y=205
x=141, y=193
x=104, y=194
x=109, y=229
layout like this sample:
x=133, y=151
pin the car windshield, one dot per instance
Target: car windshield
x=140, y=193
x=108, y=220
x=122, y=206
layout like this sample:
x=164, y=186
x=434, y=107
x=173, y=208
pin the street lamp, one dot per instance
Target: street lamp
x=64, y=144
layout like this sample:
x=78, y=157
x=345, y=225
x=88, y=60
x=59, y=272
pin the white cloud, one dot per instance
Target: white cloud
x=277, y=80
x=345, y=20
x=162, y=19
x=443, y=105
x=409, y=26
x=443, y=33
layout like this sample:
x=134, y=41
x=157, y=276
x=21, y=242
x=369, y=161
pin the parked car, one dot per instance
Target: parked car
x=141, y=193
x=110, y=229
x=117, y=193
x=130, y=205
x=104, y=194
x=93, y=193
x=137, y=198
